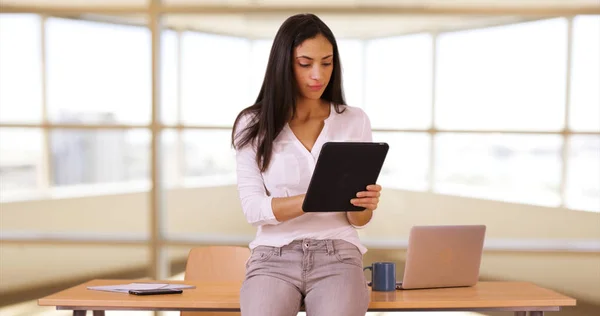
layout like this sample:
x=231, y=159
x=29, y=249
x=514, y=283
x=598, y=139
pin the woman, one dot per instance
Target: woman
x=297, y=257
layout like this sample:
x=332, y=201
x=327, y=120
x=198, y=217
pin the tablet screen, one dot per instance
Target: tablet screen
x=342, y=170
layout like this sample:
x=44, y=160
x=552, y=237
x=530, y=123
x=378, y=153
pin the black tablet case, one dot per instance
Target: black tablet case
x=342, y=170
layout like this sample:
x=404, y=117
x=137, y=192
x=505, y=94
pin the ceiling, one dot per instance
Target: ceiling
x=347, y=18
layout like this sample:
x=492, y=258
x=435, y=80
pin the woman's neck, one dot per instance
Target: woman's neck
x=309, y=109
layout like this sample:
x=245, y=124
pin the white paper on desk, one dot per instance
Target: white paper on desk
x=124, y=288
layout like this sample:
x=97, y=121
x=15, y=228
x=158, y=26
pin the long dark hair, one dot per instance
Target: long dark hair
x=276, y=101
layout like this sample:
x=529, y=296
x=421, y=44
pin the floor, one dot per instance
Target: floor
x=31, y=308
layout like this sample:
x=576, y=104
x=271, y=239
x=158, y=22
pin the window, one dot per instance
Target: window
x=215, y=78
x=85, y=3
x=209, y=157
x=171, y=153
x=505, y=167
x=260, y=57
x=100, y=156
x=98, y=72
x=351, y=53
x=398, y=82
x=169, y=79
x=585, y=75
x=496, y=78
x=509, y=77
x=583, y=173
x=407, y=162
x=20, y=68
x=21, y=161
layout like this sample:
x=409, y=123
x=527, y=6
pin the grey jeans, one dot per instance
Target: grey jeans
x=324, y=275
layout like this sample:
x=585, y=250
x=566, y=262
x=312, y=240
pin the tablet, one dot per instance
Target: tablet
x=342, y=170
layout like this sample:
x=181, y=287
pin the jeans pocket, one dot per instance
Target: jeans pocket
x=259, y=254
x=351, y=256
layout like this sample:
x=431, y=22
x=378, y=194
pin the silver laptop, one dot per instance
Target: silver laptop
x=443, y=256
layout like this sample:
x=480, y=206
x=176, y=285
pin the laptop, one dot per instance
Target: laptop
x=443, y=256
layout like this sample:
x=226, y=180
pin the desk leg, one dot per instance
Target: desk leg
x=79, y=313
x=536, y=313
x=520, y=313
x=98, y=313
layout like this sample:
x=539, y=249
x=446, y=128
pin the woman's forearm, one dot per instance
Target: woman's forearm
x=359, y=218
x=287, y=208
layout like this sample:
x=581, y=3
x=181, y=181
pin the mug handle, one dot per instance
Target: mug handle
x=369, y=283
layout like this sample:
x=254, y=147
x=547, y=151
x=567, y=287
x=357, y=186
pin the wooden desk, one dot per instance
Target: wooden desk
x=520, y=297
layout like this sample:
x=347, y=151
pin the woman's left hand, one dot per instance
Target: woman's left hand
x=368, y=199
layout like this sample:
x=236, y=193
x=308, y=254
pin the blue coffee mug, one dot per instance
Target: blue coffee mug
x=383, y=276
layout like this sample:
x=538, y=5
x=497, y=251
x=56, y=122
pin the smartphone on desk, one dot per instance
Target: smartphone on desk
x=155, y=291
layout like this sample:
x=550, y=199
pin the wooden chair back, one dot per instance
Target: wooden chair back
x=216, y=263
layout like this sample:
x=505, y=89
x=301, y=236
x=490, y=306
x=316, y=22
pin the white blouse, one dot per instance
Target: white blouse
x=289, y=174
